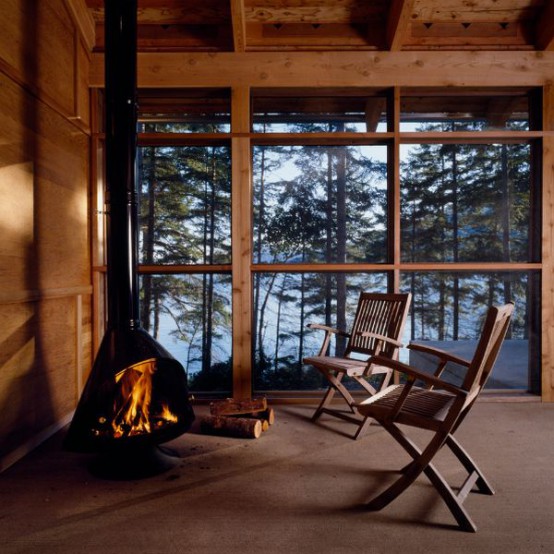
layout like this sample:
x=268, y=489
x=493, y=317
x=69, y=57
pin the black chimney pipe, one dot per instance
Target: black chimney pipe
x=121, y=145
x=106, y=420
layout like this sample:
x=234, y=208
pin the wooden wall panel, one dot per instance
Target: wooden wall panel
x=44, y=188
x=37, y=45
x=45, y=282
x=37, y=381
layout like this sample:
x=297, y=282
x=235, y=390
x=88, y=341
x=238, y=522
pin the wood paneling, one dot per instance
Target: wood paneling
x=45, y=283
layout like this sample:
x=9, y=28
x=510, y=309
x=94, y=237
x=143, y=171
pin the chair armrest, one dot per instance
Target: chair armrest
x=327, y=338
x=369, y=334
x=442, y=354
x=328, y=329
x=427, y=378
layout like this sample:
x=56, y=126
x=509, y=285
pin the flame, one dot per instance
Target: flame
x=132, y=406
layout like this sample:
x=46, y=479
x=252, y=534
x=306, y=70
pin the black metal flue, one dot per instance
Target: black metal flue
x=128, y=357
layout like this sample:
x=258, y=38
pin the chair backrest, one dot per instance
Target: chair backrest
x=380, y=313
x=494, y=330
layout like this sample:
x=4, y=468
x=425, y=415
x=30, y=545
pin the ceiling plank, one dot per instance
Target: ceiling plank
x=398, y=23
x=472, y=11
x=545, y=27
x=313, y=11
x=239, y=25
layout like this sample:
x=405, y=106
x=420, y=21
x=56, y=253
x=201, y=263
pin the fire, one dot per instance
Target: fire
x=132, y=407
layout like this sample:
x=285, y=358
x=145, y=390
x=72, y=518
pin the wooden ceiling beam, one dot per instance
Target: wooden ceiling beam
x=398, y=23
x=545, y=27
x=239, y=25
x=500, y=109
x=345, y=69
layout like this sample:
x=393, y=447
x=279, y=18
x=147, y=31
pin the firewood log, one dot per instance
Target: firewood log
x=230, y=406
x=231, y=426
x=267, y=416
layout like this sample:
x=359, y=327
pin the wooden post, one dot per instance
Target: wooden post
x=547, y=313
x=241, y=245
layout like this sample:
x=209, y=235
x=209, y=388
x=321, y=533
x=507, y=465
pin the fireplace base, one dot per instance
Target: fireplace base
x=129, y=464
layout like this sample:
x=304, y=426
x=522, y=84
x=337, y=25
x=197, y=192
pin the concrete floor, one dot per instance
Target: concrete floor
x=297, y=489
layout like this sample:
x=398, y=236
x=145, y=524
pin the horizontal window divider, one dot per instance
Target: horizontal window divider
x=320, y=268
x=471, y=137
x=187, y=268
x=468, y=266
x=166, y=269
x=403, y=266
x=185, y=139
x=303, y=139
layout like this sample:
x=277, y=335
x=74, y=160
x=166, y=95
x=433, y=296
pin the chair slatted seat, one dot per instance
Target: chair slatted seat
x=440, y=407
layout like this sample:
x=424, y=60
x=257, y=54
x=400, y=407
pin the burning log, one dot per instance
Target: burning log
x=240, y=427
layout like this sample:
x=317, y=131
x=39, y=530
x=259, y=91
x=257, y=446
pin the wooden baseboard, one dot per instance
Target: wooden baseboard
x=28, y=446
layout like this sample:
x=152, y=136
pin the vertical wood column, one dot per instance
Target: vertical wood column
x=547, y=312
x=241, y=240
x=394, y=166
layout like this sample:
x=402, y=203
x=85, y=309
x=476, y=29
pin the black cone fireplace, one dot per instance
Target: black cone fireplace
x=136, y=396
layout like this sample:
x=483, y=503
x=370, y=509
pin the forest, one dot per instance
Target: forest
x=330, y=204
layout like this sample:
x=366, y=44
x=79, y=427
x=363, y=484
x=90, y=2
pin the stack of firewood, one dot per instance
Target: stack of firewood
x=247, y=418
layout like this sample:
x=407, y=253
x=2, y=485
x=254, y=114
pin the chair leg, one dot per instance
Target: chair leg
x=365, y=423
x=335, y=386
x=453, y=501
x=328, y=396
x=422, y=464
x=471, y=467
x=409, y=473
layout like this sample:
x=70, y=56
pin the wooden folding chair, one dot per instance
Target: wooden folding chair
x=438, y=407
x=376, y=330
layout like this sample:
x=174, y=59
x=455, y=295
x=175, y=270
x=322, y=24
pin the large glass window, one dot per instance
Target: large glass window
x=463, y=191
x=439, y=110
x=320, y=204
x=466, y=202
x=448, y=309
x=319, y=110
x=284, y=304
x=184, y=220
x=190, y=315
x=185, y=205
x=430, y=191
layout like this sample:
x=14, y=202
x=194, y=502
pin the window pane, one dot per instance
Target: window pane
x=436, y=110
x=184, y=111
x=184, y=205
x=300, y=111
x=190, y=315
x=466, y=202
x=448, y=311
x=320, y=204
x=284, y=304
